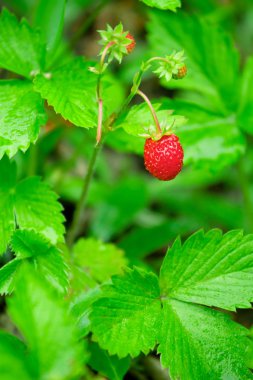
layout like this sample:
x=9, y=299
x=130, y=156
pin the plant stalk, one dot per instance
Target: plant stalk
x=74, y=227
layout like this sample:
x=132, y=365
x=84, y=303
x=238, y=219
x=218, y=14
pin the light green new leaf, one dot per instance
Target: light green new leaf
x=81, y=307
x=210, y=269
x=30, y=204
x=47, y=327
x=110, y=366
x=139, y=121
x=208, y=51
x=46, y=259
x=208, y=139
x=14, y=363
x=126, y=319
x=163, y=4
x=37, y=207
x=197, y=343
x=49, y=18
x=21, y=116
x=100, y=260
x=71, y=90
x=21, y=50
x=245, y=111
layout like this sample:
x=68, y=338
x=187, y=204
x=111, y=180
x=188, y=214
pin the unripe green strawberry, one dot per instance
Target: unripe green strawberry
x=132, y=44
x=181, y=73
x=164, y=158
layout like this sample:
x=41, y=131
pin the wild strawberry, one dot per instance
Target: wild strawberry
x=164, y=158
x=132, y=44
x=181, y=73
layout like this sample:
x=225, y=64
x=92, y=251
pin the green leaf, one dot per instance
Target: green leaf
x=121, y=141
x=125, y=320
x=49, y=18
x=81, y=307
x=172, y=5
x=37, y=207
x=46, y=259
x=7, y=219
x=29, y=204
x=210, y=269
x=139, y=121
x=71, y=90
x=7, y=276
x=245, y=112
x=208, y=51
x=100, y=260
x=21, y=115
x=14, y=363
x=209, y=139
x=118, y=208
x=110, y=366
x=199, y=343
x=47, y=327
x=21, y=50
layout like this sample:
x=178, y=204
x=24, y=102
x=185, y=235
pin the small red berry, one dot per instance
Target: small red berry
x=181, y=73
x=164, y=158
x=132, y=44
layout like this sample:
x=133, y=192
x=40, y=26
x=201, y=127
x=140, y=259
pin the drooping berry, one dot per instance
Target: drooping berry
x=181, y=73
x=164, y=158
x=132, y=44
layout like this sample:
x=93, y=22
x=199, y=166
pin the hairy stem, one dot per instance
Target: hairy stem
x=157, y=124
x=75, y=224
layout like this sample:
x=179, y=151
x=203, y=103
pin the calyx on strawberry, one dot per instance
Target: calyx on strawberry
x=163, y=158
x=132, y=44
x=181, y=73
x=121, y=42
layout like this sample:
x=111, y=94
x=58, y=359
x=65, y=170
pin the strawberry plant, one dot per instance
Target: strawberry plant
x=126, y=190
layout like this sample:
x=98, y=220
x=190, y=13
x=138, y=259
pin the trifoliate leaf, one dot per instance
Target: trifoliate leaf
x=44, y=321
x=29, y=204
x=71, y=90
x=21, y=116
x=110, y=366
x=172, y=5
x=21, y=50
x=198, y=343
x=208, y=51
x=126, y=319
x=139, y=121
x=46, y=259
x=14, y=362
x=210, y=269
x=99, y=260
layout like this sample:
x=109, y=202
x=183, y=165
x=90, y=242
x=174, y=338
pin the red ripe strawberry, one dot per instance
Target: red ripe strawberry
x=181, y=73
x=164, y=158
x=132, y=44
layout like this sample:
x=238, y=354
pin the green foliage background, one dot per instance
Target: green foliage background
x=159, y=282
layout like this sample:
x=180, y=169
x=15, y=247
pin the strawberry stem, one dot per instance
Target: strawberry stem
x=99, y=95
x=157, y=124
